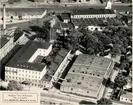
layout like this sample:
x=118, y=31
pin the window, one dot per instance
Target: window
x=79, y=83
x=71, y=88
x=11, y=17
x=87, y=91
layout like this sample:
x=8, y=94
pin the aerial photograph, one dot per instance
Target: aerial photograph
x=73, y=52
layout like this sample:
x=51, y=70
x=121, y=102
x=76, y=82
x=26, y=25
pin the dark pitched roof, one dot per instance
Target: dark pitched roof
x=3, y=41
x=93, y=21
x=92, y=11
x=65, y=16
x=20, y=60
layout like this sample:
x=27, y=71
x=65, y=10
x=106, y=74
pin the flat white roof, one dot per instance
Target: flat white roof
x=127, y=95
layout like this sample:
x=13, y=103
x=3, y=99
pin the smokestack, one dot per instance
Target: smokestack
x=4, y=16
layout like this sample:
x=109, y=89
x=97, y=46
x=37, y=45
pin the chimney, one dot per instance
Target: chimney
x=4, y=17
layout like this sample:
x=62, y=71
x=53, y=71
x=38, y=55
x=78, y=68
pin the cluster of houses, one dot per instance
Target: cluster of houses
x=91, y=19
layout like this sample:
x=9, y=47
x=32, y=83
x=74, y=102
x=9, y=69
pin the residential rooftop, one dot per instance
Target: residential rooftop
x=92, y=11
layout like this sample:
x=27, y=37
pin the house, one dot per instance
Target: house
x=36, y=63
x=23, y=13
x=65, y=17
x=86, y=76
x=93, y=13
x=126, y=97
x=92, y=24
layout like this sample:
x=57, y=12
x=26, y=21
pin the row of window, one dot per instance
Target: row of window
x=12, y=77
x=25, y=79
x=126, y=99
x=22, y=70
x=90, y=16
x=33, y=84
x=16, y=74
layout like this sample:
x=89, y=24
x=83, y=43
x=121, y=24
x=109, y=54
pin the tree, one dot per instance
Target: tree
x=14, y=86
x=74, y=39
x=86, y=102
x=2, y=88
x=46, y=29
x=104, y=101
x=13, y=1
x=35, y=28
x=18, y=32
x=42, y=32
x=120, y=81
x=32, y=0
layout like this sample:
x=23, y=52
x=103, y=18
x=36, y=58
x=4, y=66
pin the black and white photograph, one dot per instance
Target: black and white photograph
x=66, y=52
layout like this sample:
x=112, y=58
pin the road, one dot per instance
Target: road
x=70, y=99
x=62, y=8
x=64, y=97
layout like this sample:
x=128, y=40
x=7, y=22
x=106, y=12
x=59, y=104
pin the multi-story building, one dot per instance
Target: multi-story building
x=6, y=44
x=86, y=76
x=127, y=97
x=8, y=41
x=36, y=64
x=94, y=23
x=92, y=13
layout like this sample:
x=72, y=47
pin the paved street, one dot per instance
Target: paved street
x=64, y=97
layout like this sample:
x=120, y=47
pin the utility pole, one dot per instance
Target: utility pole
x=4, y=18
